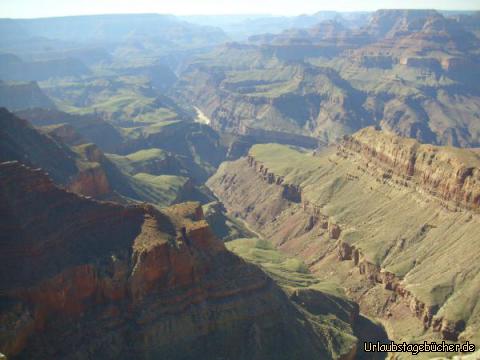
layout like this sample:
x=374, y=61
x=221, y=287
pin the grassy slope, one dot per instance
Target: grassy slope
x=439, y=265
x=287, y=271
x=258, y=85
x=177, y=148
x=126, y=98
x=131, y=162
x=160, y=177
x=435, y=105
x=322, y=303
x=161, y=190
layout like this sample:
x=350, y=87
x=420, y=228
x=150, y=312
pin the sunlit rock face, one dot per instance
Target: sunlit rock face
x=83, y=278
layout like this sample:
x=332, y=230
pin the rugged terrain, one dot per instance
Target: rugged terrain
x=395, y=222
x=148, y=210
x=83, y=279
x=80, y=166
x=413, y=72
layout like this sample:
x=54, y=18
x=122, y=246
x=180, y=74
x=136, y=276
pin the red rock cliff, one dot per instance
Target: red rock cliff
x=84, y=279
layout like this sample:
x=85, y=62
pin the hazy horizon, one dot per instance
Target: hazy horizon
x=25, y=9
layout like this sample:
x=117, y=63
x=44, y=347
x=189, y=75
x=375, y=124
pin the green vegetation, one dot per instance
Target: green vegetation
x=13, y=96
x=177, y=148
x=419, y=82
x=140, y=160
x=118, y=99
x=322, y=304
x=373, y=214
x=160, y=190
x=225, y=227
x=289, y=272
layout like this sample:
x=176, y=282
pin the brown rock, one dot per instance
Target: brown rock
x=90, y=182
x=83, y=279
x=345, y=251
x=449, y=174
x=334, y=230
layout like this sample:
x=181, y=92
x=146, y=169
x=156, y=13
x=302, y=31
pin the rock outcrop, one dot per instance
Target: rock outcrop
x=449, y=174
x=81, y=173
x=412, y=71
x=91, y=181
x=387, y=208
x=20, y=141
x=91, y=128
x=290, y=192
x=83, y=279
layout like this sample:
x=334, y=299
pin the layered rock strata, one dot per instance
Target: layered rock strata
x=395, y=180
x=83, y=279
x=449, y=174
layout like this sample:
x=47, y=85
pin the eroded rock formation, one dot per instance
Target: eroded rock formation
x=290, y=192
x=449, y=174
x=368, y=180
x=84, y=279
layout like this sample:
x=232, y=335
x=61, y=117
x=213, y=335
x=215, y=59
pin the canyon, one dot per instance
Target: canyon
x=412, y=72
x=112, y=282
x=77, y=164
x=239, y=187
x=373, y=214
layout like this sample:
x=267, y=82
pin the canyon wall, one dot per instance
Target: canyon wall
x=352, y=204
x=84, y=279
x=449, y=174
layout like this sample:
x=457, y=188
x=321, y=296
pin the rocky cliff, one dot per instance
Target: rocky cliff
x=349, y=224
x=21, y=142
x=449, y=174
x=14, y=68
x=289, y=104
x=410, y=71
x=83, y=168
x=83, y=279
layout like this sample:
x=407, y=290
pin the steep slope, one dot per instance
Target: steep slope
x=20, y=141
x=391, y=23
x=184, y=148
x=294, y=277
x=16, y=96
x=91, y=128
x=198, y=145
x=470, y=22
x=128, y=95
x=160, y=76
x=294, y=100
x=155, y=165
x=82, y=167
x=116, y=282
x=239, y=27
x=224, y=226
x=395, y=222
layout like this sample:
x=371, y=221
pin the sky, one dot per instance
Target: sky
x=46, y=8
